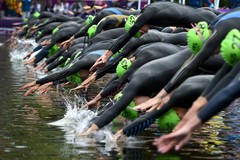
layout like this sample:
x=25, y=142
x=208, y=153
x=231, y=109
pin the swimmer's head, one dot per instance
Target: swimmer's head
x=129, y=23
x=123, y=66
x=129, y=112
x=36, y=15
x=197, y=36
x=89, y=19
x=74, y=78
x=168, y=120
x=91, y=31
x=230, y=47
x=39, y=33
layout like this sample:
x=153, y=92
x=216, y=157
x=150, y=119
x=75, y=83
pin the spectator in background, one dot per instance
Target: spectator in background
x=58, y=7
x=77, y=7
x=199, y=3
x=3, y=8
x=49, y=6
x=65, y=6
x=26, y=8
x=36, y=6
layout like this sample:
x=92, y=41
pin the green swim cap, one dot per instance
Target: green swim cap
x=36, y=15
x=25, y=20
x=55, y=30
x=39, y=33
x=128, y=113
x=54, y=49
x=91, y=31
x=129, y=23
x=168, y=120
x=197, y=36
x=230, y=47
x=25, y=26
x=75, y=78
x=89, y=19
x=123, y=66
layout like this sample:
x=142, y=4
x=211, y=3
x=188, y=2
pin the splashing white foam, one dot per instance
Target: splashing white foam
x=21, y=48
x=78, y=119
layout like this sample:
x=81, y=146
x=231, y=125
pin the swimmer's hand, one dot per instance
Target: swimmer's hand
x=30, y=61
x=93, y=102
x=28, y=55
x=160, y=104
x=101, y=61
x=178, y=138
x=32, y=89
x=85, y=84
x=148, y=104
x=28, y=85
x=157, y=100
x=117, y=136
x=46, y=87
x=66, y=44
x=197, y=105
x=41, y=66
x=90, y=130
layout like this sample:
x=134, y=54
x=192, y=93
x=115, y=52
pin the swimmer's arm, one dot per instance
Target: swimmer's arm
x=220, y=101
x=217, y=81
x=54, y=77
x=54, y=57
x=187, y=69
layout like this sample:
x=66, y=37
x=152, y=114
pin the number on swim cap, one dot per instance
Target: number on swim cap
x=129, y=23
x=197, y=36
x=230, y=47
x=123, y=66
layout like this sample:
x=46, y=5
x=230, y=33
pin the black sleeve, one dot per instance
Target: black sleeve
x=144, y=121
x=56, y=63
x=208, y=48
x=44, y=52
x=54, y=57
x=106, y=24
x=221, y=100
x=219, y=75
x=224, y=81
x=63, y=80
x=128, y=94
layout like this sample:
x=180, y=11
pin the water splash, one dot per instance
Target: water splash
x=20, y=49
x=76, y=120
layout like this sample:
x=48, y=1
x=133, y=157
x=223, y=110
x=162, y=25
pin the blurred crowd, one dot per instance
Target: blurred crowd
x=23, y=8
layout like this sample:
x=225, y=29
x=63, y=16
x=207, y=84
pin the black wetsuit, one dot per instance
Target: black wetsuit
x=220, y=27
x=83, y=62
x=143, y=55
x=146, y=81
x=221, y=100
x=48, y=29
x=110, y=22
x=165, y=14
x=183, y=97
x=100, y=15
x=64, y=56
x=60, y=36
x=134, y=43
x=139, y=83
